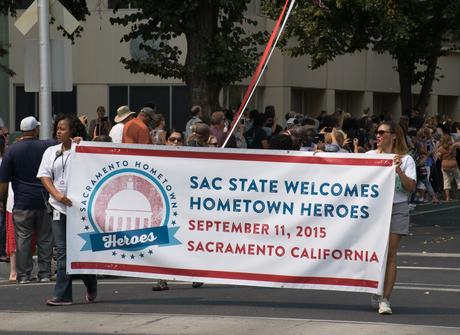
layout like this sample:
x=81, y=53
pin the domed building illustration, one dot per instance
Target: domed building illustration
x=128, y=209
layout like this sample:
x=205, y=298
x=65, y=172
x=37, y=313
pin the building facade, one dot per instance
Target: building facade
x=351, y=82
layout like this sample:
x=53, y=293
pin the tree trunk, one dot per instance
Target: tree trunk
x=406, y=70
x=205, y=93
x=203, y=89
x=430, y=73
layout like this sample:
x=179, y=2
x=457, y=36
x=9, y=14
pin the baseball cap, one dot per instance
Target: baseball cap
x=147, y=110
x=292, y=122
x=29, y=123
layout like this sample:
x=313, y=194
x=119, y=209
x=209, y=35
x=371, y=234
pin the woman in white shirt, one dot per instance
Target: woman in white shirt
x=54, y=174
x=390, y=140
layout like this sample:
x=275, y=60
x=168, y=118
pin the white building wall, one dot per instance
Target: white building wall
x=90, y=96
x=355, y=78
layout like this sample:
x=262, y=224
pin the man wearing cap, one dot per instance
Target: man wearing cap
x=124, y=115
x=137, y=130
x=19, y=166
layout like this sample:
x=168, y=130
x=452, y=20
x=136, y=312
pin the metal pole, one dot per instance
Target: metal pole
x=45, y=69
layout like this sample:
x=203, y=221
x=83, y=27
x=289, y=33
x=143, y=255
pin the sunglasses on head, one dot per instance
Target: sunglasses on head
x=175, y=139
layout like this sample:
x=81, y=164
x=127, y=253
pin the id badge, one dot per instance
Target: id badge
x=62, y=186
x=56, y=215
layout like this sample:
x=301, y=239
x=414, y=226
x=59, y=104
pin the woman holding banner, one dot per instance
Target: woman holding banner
x=390, y=140
x=173, y=138
x=54, y=174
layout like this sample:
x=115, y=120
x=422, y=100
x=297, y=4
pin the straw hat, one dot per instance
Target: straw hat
x=122, y=113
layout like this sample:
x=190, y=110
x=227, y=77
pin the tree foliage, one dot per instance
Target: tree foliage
x=220, y=50
x=414, y=32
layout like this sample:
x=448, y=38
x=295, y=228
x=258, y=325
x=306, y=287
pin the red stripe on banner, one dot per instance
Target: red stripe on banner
x=226, y=275
x=236, y=156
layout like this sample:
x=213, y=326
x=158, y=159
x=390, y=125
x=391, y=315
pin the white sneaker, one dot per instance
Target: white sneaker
x=375, y=299
x=384, y=306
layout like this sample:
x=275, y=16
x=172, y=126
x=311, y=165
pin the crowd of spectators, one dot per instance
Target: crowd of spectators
x=432, y=140
x=433, y=143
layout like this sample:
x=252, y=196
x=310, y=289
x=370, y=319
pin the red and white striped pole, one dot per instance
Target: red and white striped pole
x=274, y=38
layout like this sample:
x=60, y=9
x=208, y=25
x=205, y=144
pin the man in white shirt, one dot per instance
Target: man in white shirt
x=124, y=114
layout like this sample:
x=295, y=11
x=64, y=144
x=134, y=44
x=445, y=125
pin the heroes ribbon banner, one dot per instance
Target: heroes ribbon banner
x=245, y=217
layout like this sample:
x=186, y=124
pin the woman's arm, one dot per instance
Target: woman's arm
x=408, y=183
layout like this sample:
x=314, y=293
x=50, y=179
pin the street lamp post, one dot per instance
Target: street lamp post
x=39, y=11
x=45, y=69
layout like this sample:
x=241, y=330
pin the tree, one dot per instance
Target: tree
x=219, y=50
x=414, y=32
x=78, y=8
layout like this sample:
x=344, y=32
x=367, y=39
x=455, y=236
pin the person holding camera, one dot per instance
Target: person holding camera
x=101, y=125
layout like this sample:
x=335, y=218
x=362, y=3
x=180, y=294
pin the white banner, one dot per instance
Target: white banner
x=261, y=218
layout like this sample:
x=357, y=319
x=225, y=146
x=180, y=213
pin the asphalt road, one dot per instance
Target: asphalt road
x=427, y=293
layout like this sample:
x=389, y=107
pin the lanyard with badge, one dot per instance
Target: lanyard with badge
x=61, y=184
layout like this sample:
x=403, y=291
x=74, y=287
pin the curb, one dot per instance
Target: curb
x=168, y=324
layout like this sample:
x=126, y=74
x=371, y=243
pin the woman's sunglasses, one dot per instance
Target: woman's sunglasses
x=383, y=132
x=174, y=139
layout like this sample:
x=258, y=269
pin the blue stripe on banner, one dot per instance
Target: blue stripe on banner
x=129, y=240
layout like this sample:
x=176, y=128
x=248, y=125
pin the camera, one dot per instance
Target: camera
x=318, y=138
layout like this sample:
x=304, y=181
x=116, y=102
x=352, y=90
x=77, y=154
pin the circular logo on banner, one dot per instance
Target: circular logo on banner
x=129, y=202
x=129, y=210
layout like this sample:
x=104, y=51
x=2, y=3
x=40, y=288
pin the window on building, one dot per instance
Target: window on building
x=171, y=101
x=447, y=105
x=307, y=101
x=297, y=100
x=23, y=4
x=118, y=96
x=139, y=96
x=179, y=109
x=64, y=102
x=350, y=102
x=384, y=103
x=233, y=95
x=27, y=104
x=123, y=4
